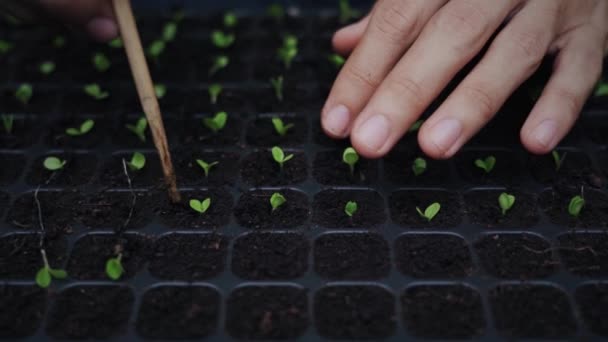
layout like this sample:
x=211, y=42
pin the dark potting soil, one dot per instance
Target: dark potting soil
x=516, y=256
x=20, y=256
x=113, y=175
x=351, y=256
x=443, y=311
x=125, y=138
x=188, y=257
x=89, y=311
x=57, y=136
x=299, y=71
x=78, y=170
x=593, y=215
x=354, y=312
x=196, y=133
x=505, y=171
x=79, y=103
x=261, y=131
x=91, y=252
x=115, y=210
x=575, y=171
x=328, y=209
x=584, y=254
x=270, y=256
x=189, y=173
x=403, y=205
x=181, y=215
x=172, y=103
x=230, y=100
x=253, y=210
x=433, y=256
x=23, y=134
x=267, y=312
x=236, y=71
x=22, y=308
x=531, y=311
x=57, y=212
x=295, y=99
x=13, y=165
x=260, y=169
x=43, y=101
x=398, y=169
x=4, y=201
x=592, y=300
x=329, y=169
x=483, y=209
x=178, y=312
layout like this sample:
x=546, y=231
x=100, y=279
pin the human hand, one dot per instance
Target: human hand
x=406, y=51
x=97, y=16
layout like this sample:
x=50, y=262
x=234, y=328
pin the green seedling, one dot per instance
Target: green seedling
x=416, y=126
x=601, y=89
x=350, y=157
x=84, y=128
x=116, y=43
x=160, y=90
x=419, y=166
x=52, y=163
x=505, y=201
x=487, y=164
x=217, y=122
x=347, y=13
x=336, y=60
x=139, y=129
x=138, y=161
x=169, y=31
x=179, y=15
x=576, y=205
x=219, y=63
x=558, y=159
x=101, y=62
x=8, y=121
x=280, y=127
x=46, y=274
x=214, y=92
x=47, y=67
x=156, y=48
x=24, y=93
x=350, y=208
x=277, y=85
x=58, y=42
x=288, y=51
x=222, y=40
x=200, y=206
x=206, y=166
x=95, y=91
x=277, y=200
x=430, y=212
x=5, y=46
x=230, y=20
x=276, y=12
x=114, y=268
x=279, y=156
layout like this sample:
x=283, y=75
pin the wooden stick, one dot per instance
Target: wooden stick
x=145, y=89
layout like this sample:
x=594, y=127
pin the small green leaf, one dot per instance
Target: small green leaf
x=139, y=129
x=350, y=208
x=219, y=63
x=138, y=161
x=8, y=121
x=200, y=206
x=24, y=93
x=43, y=277
x=336, y=60
x=46, y=67
x=276, y=11
x=416, y=126
x=214, y=92
x=350, y=157
x=230, y=20
x=601, y=89
x=277, y=85
x=53, y=163
x=116, y=43
x=160, y=90
x=206, y=166
x=5, y=46
x=506, y=201
x=288, y=51
x=58, y=42
x=280, y=127
x=101, y=62
x=419, y=166
x=114, y=268
x=156, y=48
x=84, y=128
x=95, y=91
x=558, y=160
x=277, y=200
x=279, y=156
x=430, y=212
x=486, y=164
x=217, y=122
x=169, y=31
x=576, y=206
x=222, y=40
x=346, y=12
x=58, y=273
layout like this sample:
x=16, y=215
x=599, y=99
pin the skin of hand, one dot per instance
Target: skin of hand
x=97, y=16
x=406, y=51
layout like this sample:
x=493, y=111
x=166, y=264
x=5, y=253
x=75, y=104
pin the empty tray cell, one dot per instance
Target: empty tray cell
x=188, y=256
x=270, y=256
x=77, y=132
x=22, y=308
x=594, y=214
x=223, y=169
x=113, y=175
x=20, y=256
x=532, y=311
x=262, y=131
x=443, y=311
x=117, y=210
x=91, y=312
x=403, y=204
x=181, y=215
x=329, y=209
x=78, y=169
x=330, y=169
x=592, y=301
x=254, y=210
x=354, y=312
x=516, y=256
x=506, y=169
x=398, y=168
x=267, y=312
x=91, y=252
x=4, y=202
x=12, y=167
x=584, y=254
x=483, y=209
x=260, y=169
x=433, y=256
x=178, y=312
x=351, y=256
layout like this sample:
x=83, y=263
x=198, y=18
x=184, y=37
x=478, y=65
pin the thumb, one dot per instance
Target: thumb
x=96, y=16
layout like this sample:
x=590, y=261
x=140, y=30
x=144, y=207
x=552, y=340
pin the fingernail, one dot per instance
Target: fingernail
x=103, y=28
x=544, y=133
x=337, y=120
x=374, y=132
x=445, y=133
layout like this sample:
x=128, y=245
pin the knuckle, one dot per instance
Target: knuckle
x=529, y=47
x=361, y=78
x=465, y=21
x=406, y=87
x=481, y=99
x=572, y=101
x=396, y=20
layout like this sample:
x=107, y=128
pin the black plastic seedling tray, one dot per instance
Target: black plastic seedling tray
x=305, y=271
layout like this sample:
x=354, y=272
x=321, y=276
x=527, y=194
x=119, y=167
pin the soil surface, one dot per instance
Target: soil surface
x=260, y=169
x=57, y=137
x=594, y=214
x=330, y=169
x=189, y=173
x=584, y=254
x=113, y=175
x=13, y=165
x=111, y=209
x=403, y=205
x=180, y=215
x=507, y=169
x=31, y=302
x=253, y=210
x=328, y=209
x=56, y=207
x=78, y=170
x=23, y=134
x=398, y=169
x=20, y=256
x=483, y=209
x=196, y=133
x=261, y=131
x=592, y=300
